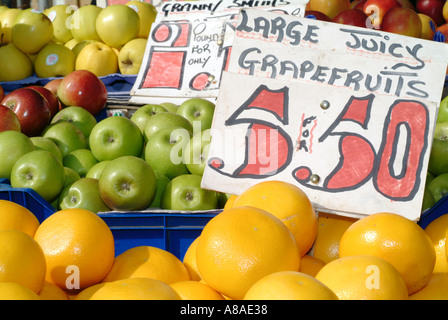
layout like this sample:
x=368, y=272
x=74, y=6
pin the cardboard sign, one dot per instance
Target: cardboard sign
x=314, y=104
x=189, y=45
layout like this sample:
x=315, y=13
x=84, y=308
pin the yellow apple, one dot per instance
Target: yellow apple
x=7, y=19
x=97, y=58
x=147, y=13
x=31, y=31
x=60, y=16
x=117, y=24
x=3, y=9
x=71, y=43
x=54, y=60
x=80, y=45
x=82, y=23
x=131, y=55
x=15, y=65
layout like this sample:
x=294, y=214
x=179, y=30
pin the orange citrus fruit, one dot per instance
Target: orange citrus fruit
x=21, y=260
x=310, y=265
x=190, y=261
x=241, y=245
x=288, y=203
x=398, y=240
x=289, y=285
x=363, y=278
x=436, y=230
x=194, y=290
x=50, y=291
x=330, y=228
x=129, y=289
x=435, y=289
x=16, y=291
x=78, y=246
x=230, y=201
x=16, y=217
x=148, y=262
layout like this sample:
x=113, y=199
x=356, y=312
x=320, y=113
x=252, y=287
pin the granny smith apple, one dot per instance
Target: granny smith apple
x=80, y=117
x=117, y=24
x=97, y=169
x=164, y=151
x=70, y=176
x=196, y=152
x=162, y=181
x=80, y=160
x=42, y=143
x=442, y=115
x=66, y=135
x=143, y=113
x=82, y=194
x=41, y=171
x=439, y=186
x=114, y=137
x=171, y=107
x=428, y=200
x=184, y=193
x=164, y=120
x=438, y=159
x=31, y=31
x=198, y=109
x=13, y=145
x=127, y=183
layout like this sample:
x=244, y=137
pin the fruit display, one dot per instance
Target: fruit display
x=266, y=243
x=59, y=40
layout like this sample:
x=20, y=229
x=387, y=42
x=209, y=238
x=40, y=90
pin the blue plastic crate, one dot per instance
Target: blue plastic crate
x=437, y=210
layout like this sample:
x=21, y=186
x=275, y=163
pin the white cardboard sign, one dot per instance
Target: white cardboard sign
x=189, y=45
x=355, y=149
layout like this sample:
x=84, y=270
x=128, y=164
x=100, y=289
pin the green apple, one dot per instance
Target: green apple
x=438, y=186
x=143, y=113
x=164, y=120
x=162, y=181
x=114, y=137
x=198, y=110
x=428, y=200
x=117, y=24
x=41, y=171
x=80, y=117
x=60, y=16
x=70, y=176
x=127, y=183
x=442, y=115
x=97, y=169
x=82, y=194
x=54, y=60
x=171, y=107
x=66, y=135
x=147, y=13
x=31, y=31
x=438, y=159
x=17, y=64
x=184, y=193
x=42, y=143
x=131, y=55
x=7, y=19
x=164, y=151
x=98, y=58
x=196, y=152
x=80, y=160
x=82, y=23
x=13, y=145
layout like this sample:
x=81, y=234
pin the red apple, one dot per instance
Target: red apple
x=84, y=89
x=8, y=120
x=317, y=14
x=31, y=108
x=2, y=93
x=402, y=21
x=432, y=8
x=329, y=7
x=53, y=85
x=53, y=101
x=357, y=4
x=376, y=9
x=353, y=17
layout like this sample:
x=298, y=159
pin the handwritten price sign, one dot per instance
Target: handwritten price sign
x=189, y=46
x=354, y=134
